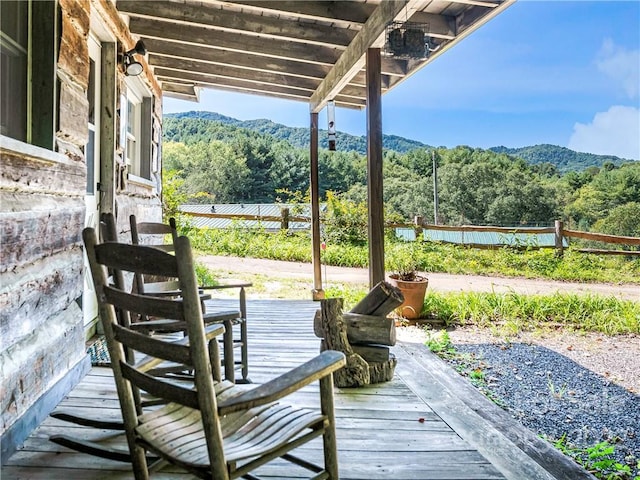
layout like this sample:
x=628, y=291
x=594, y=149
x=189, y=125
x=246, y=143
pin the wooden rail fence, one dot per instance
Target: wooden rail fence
x=560, y=233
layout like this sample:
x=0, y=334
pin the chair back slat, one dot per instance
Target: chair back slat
x=160, y=287
x=160, y=388
x=140, y=342
x=153, y=235
x=144, y=305
x=143, y=259
x=152, y=228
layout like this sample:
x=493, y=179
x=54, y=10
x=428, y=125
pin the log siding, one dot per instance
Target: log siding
x=42, y=214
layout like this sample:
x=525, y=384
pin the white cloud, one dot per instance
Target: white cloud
x=623, y=66
x=614, y=132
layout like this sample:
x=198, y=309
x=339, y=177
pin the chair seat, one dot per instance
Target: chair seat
x=176, y=431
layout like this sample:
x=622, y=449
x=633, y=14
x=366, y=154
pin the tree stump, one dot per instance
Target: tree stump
x=356, y=371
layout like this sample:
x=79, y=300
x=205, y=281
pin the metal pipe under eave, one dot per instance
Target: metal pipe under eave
x=374, y=167
x=317, y=292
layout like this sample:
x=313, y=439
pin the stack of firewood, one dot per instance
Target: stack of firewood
x=364, y=335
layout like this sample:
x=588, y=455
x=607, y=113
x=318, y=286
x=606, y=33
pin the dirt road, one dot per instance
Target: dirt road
x=439, y=282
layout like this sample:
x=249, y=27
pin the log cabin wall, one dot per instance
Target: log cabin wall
x=43, y=183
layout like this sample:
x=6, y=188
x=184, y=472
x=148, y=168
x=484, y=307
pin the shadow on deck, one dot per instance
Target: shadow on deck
x=427, y=423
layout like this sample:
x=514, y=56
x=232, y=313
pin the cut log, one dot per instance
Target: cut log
x=370, y=329
x=362, y=329
x=382, y=371
x=380, y=301
x=372, y=353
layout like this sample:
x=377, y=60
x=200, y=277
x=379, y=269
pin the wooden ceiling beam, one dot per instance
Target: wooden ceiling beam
x=254, y=62
x=473, y=18
x=249, y=23
x=341, y=101
x=189, y=66
x=352, y=60
x=479, y=3
x=215, y=80
x=346, y=12
x=181, y=91
x=148, y=28
x=440, y=26
x=208, y=76
x=237, y=59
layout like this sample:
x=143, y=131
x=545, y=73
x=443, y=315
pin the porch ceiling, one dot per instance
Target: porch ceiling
x=312, y=51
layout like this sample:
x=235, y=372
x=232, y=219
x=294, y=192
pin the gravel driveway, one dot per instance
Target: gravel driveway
x=439, y=282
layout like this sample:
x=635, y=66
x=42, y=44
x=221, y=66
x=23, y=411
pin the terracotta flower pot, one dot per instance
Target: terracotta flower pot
x=413, y=292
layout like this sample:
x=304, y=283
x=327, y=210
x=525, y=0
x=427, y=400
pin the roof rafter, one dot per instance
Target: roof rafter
x=312, y=50
x=250, y=24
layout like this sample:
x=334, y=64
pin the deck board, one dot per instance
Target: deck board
x=411, y=428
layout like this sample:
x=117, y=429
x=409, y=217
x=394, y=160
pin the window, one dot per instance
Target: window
x=136, y=132
x=14, y=39
x=28, y=37
x=132, y=147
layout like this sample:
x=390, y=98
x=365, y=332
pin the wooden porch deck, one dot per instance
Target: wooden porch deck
x=424, y=424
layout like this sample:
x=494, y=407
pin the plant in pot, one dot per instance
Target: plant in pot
x=404, y=275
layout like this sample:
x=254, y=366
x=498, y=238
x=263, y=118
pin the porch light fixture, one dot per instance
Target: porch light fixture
x=130, y=65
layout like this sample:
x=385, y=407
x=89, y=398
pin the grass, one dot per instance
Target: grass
x=514, y=312
x=598, y=459
x=429, y=256
x=510, y=312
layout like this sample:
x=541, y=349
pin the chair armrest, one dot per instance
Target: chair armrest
x=226, y=285
x=217, y=317
x=176, y=293
x=318, y=367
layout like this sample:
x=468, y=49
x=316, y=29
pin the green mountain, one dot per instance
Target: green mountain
x=197, y=126
x=564, y=159
x=299, y=137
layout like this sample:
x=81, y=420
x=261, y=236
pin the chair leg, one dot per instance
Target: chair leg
x=227, y=340
x=329, y=436
x=244, y=349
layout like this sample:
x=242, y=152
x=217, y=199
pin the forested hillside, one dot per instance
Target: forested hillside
x=564, y=159
x=183, y=129
x=189, y=126
x=208, y=161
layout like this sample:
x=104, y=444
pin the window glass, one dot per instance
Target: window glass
x=133, y=135
x=14, y=22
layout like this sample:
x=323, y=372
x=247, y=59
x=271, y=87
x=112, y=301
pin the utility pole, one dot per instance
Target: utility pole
x=435, y=187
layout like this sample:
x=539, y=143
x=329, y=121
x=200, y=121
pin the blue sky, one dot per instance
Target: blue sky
x=560, y=72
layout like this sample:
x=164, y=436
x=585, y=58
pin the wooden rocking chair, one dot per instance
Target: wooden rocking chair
x=235, y=322
x=215, y=430
x=116, y=278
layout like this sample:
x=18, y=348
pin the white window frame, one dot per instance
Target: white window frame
x=135, y=138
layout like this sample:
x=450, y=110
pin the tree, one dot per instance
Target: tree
x=622, y=220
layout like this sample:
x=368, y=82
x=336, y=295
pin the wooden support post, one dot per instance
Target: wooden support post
x=284, y=223
x=559, y=236
x=317, y=292
x=108, y=100
x=417, y=221
x=374, y=168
